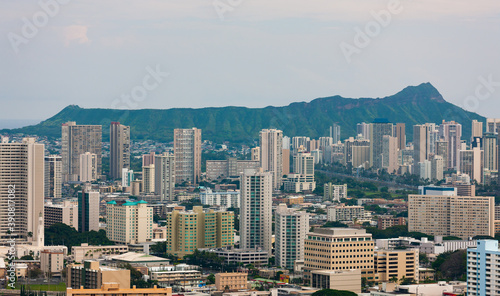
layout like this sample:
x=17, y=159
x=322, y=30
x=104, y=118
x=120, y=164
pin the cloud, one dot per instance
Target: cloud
x=75, y=34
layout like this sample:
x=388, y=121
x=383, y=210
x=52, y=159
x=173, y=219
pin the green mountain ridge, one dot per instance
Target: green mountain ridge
x=413, y=105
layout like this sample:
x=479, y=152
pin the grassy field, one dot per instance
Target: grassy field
x=59, y=287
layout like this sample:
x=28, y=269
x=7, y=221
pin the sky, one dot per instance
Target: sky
x=167, y=54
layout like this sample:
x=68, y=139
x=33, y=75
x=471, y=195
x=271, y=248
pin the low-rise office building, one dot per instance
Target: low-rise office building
x=86, y=252
x=345, y=213
x=339, y=249
x=113, y=289
x=344, y=280
x=231, y=281
x=397, y=264
x=90, y=275
x=257, y=257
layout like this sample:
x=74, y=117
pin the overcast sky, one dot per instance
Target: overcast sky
x=250, y=53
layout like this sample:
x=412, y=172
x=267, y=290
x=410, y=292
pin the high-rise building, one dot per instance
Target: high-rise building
x=22, y=181
x=88, y=167
x=303, y=163
x=425, y=170
x=483, y=276
x=271, y=154
x=53, y=176
x=286, y=161
x=437, y=168
x=129, y=222
x=335, y=192
x=442, y=150
x=127, y=177
x=287, y=142
x=227, y=199
x=363, y=129
x=378, y=129
x=477, y=130
x=165, y=176
x=148, y=179
x=349, y=149
x=299, y=144
x=256, y=210
x=490, y=147
x=471, y=163
x=76, y=140
x=335, y=133
x=344, y=248
x=148, y=159
x=291, y=229
x=197, y=229
x=229, y=168
x=401, y=135
x=421, y=143
x=119, y=154
x=65, y=212
x=390, y=154
x=88, y=209
x=492, y=125
x=451, y=132
x=451, y=215
x=256, y=154
x=187, y=153
x=397, y=264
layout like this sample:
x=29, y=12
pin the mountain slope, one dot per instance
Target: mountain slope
x=413, y=105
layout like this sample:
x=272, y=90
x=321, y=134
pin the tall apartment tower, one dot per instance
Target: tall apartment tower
x=255, y=154
x=492, y=125
x=148, y=179
x=451, y=132
x=88, y=209
x=88, y=167
x=187, y=153
x=76, y=140
x=449, y=215
x=164, y=178
x=303, y=164
x=335, y=133
x=363, y=129
x=256, y=210
x=271, y=154
x=299, y=144
x=129, y=222
x=401, y=135
x=291, y=230
x=390, y=154
x=490, y=147
x=378, y=129
x=197, y=229
x=483, y=276
x=53, y=176
x=148, y=159
x=471, y=163
x=477, y=130
x=421, y=143
x=22, y=182
x=119, y=158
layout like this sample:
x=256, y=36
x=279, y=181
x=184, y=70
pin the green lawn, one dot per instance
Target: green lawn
x=59, y=287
